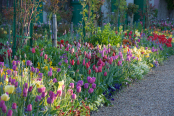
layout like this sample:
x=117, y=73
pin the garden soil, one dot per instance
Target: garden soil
x=152, y=96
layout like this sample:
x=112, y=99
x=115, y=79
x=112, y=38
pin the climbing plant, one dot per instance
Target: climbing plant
x=170, y=4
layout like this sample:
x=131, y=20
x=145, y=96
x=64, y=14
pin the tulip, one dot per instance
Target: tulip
x=43, y=94
x=72, y=63
x=25, y=91
x=93, y=79
x=78, y=62
x=30, y=88
x=49, y=100
x=2, y=103
x=9, y=88
x=81, y=82
x=105, y=73
x=93, y=85
x=83, y=62
x=10, y=112
x=72, y=51
x=87, y=65
x=73, y=96
x=40, y=75
x=40, y=90
x=119, y=63
x=14, y=106
x=8, y=72
x=16, y=84
x=15, y=73
x=58, y=70
x=41, y=54
x=4, y=108
x=86, y=85
x=38, y=98
x=96, y=69
x=59, y=93
x=1, y=64
x=78, y=89
x=29, y=63
x=29, y=108
x=50, y=73
x=93, y=67
x=14, y=63
x=90, y=90
x=100, y=69
x=72, y=85
x=13, y=81
x=89, y=71
x=45, y=56
x=33, y=50
x=5, y=97
x=54, y=80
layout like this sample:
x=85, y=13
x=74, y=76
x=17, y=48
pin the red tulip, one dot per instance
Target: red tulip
x=89, y=71
x=72, y=62
x=78, y=62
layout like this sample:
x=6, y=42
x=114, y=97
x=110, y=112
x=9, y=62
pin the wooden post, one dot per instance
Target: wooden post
x=71, y=28
x=54, y=35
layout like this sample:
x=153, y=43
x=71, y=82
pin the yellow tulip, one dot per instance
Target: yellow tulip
x=9, y=88
x=118, y=45
x=147, y=56
x=61, y=83
x=5, y=97
x=40, y=86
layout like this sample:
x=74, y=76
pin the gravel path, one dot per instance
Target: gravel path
x=152, y=96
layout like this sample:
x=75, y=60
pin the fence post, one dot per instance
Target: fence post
x=14, y=30
x=71, y=28
x=54, y=35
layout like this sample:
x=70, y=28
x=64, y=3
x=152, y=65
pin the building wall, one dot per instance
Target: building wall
x=156, y=3
x=163, y=13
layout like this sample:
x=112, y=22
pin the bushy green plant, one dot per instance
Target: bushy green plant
x=105, y=36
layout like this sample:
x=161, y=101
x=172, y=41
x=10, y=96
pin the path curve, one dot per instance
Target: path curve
x=152, y=96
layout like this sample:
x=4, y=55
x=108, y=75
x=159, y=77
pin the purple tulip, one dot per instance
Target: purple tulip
x=16, y=84
x=30, y=88
x=29, y=108
x=86, y=85
x=49, y=100
x=50, y=73
x=70, y=91
x=73, y=96
x=9, y=80
x=66, y=61
x=25, y=91
x=81, y=82
x=93, y=85
x=13, y=81
x=37, y=70
x=54, y=80
x=78, y=89
x=40, y=90
x=90, y=90
x=38, y=98
x=40, y=75
x=1, y=64
x=14, y=106
x=9, y=72
x=2, y=103
x=14, y=63
x=43, y=94
x=58, y=70
x=72, y=85
x=4, y=108
x=29, y=63
x=10, y=112
x=26, y=85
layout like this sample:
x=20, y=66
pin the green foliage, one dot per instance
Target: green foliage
x=170, y=4
x=132, y=8
x=105, y=36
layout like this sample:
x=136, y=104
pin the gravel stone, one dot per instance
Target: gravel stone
x=152, y=96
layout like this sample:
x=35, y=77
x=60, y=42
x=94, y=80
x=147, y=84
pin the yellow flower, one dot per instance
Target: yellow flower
x=151, y=65
x=118, y=45
x=40, y=86
x=50, y=63
x=5, y=97
x=61, y=83
x=9, y=88
x=23, y=61
x=147, y=56
x=46, y=68
x=99, y=46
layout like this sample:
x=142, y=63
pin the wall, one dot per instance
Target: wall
x=156, y=3
x=163, y=13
